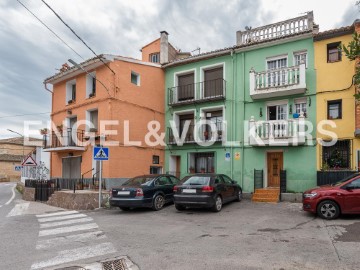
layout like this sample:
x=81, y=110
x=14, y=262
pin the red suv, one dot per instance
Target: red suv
x=332, y=200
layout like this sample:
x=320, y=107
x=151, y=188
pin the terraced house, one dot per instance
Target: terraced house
x=336, y=102
x=258, y=94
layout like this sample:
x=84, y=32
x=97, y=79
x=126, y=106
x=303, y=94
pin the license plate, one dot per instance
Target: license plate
x=189, y=191
x=123, y=192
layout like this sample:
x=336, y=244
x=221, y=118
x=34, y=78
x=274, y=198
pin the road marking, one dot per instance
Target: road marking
x=69, y=239
x=18, y=209
x=71, y=255
x=57, y=214
x=57, y=218
x=12, y=197
x=68, y=229
x=66, y=222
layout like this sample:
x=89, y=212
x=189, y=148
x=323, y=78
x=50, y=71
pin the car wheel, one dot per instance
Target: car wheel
x=239, y=196
x=218, y=204
x=328, y=210
x=180, y=207
x=124, y=208
x=158, y=203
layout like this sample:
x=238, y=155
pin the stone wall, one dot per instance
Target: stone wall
x=81, y=200
x=29, y=194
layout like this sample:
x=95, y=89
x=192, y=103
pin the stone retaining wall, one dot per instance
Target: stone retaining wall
x=29, y=194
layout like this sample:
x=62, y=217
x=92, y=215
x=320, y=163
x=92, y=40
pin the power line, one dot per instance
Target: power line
x=17, y=115
x=50, y=29
x=57, y=15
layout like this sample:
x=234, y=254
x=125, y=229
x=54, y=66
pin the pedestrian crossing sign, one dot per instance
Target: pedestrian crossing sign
x=101, y=153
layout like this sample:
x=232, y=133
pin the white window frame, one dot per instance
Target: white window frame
x=89, y=83
x=277, y=103
x=137, y=78
x=88, y=117
x=209, y=67
x=205, y=110
x=300, y=53
x=68, y=95
x=276, y=57
x=301, y=101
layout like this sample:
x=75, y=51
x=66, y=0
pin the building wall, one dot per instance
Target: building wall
x=334, y=82
x=298, y=161
x=137, y=104
x=153, y=47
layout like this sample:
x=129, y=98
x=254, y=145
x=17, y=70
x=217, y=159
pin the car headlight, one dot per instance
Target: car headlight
x=310, y=195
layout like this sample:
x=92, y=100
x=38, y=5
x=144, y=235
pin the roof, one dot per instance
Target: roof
x=8, y=157
x=228, y=50
x=150, y=43
x=18, y=140
x=337, y=32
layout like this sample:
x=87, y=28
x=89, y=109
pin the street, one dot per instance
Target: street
x=243, y=235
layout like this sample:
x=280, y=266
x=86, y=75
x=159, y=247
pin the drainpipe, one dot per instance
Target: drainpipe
x=242, y=142
x=232, y=116
x=52, y=104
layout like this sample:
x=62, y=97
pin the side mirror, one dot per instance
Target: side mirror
x=234, y=182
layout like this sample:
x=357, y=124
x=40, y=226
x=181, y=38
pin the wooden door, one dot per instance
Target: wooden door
x=274, y=165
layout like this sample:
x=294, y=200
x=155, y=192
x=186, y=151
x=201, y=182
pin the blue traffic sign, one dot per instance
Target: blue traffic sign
x=101, y=153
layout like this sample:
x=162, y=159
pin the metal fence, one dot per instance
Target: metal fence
x=258, y=179
x=331, y=177
x=283, y=180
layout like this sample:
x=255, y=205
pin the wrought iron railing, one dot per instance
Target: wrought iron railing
x=189, y=136
x=66, y=138
x=258, y=179
x=184, y=94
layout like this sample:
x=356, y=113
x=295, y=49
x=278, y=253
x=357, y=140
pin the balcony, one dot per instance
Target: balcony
x=278, y=82
x=277, y=132
x=67, y=140
x=204, y=135
x=187, y=94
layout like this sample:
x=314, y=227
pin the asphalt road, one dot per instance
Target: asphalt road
x=243, y=235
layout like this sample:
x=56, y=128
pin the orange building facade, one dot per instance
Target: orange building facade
x=109, y=99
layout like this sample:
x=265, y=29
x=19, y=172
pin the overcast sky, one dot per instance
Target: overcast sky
x=29, y=52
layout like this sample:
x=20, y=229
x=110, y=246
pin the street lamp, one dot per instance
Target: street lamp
x=20, y=136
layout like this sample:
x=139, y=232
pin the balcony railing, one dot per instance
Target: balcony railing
x=277, y=132
x=276, y=30
x=209, y=90
x=278, y=82
x=213, y=135
x=189, y=137
x=66, y=140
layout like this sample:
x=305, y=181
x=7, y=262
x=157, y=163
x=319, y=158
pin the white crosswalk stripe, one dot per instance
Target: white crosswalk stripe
x=18, y=209
x=57, y=218
x=71, y=255
x=62, y=233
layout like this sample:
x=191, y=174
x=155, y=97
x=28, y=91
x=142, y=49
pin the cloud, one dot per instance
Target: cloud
x=351, y=14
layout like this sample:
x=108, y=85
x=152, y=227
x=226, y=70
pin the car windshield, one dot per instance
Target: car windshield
x=345, y=179
x=197, y=180
x=138, y=181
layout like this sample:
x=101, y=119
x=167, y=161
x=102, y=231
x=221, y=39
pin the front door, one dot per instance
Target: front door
x=274, y=166
x=71, y=167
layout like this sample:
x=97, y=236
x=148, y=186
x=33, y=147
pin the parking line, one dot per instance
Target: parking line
x=71, y=255
x=57, y=214
x=66, y=222
x=68, y=229
x=57, y=218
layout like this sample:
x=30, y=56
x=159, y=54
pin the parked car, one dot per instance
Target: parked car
x=206, y=190
x=152, y=191
x=332, y=200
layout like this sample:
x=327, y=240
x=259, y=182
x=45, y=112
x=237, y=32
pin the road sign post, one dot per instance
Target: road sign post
x=100, y=153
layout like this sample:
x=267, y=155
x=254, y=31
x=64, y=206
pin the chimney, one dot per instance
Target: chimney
x=164, y=47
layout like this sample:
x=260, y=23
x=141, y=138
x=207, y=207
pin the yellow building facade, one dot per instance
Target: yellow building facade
x=335, y=101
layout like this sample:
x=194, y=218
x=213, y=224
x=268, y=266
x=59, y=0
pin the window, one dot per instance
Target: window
x=274, y=76
x=215, y=117
x=354, y=184
x=213, y=82
x=337, y=156
x=174, y=180
x=227, y=179
x=93, y=117
x=185, y=88
x=334, y=109
x=300, y=57
x=135, y=78
x=162, y=181
x=155, y=170
x=182, y=121
x=277, y=112
x=155, y=57
x=333, y=52
x=91, y=84
x=70, y=91
x=155, y=159
x=301, y=106
x=202, y=162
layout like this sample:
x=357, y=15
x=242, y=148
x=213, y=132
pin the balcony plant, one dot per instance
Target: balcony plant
x=44, y=131
x=202, y=170
x=192, y=169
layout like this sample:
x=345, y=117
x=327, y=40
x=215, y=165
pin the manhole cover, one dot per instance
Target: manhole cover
x=118, y=264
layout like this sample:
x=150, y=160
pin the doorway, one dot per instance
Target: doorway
x=274, y=166
x=71, y=167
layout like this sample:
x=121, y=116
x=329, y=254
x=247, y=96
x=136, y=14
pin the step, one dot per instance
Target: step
x=261, y=199
x=267, y=190
x=257, y=195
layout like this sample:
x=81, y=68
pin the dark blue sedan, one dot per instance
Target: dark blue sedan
x=152, y=191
